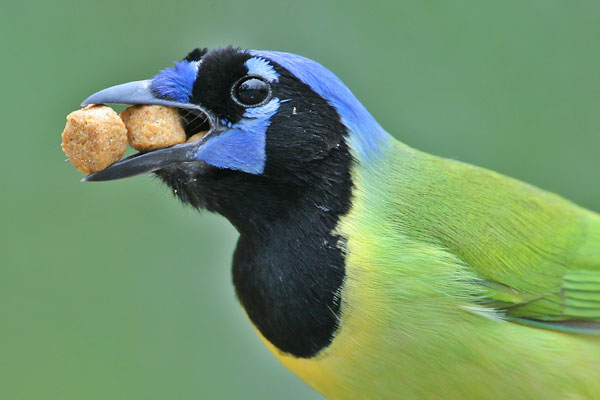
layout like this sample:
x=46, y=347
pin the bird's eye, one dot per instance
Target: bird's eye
x=251, y=91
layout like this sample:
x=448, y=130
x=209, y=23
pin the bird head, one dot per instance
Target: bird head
x=278, y=125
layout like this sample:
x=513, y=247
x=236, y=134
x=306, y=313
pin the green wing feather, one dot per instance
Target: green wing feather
x=537, y=254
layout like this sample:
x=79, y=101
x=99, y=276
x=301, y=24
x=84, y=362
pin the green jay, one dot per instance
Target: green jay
x=370, y=269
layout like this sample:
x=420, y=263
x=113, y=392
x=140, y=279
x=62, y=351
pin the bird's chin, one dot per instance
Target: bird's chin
x=187, y=181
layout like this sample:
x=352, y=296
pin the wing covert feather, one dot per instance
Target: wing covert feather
x=538, y=255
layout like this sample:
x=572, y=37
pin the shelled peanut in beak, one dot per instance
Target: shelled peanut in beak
x=153, y=127
x=94, y=138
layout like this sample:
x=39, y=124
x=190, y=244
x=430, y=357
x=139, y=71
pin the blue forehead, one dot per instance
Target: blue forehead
x=177, y=82
x=366, y=134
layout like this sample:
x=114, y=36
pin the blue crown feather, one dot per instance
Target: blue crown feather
x=366, y=134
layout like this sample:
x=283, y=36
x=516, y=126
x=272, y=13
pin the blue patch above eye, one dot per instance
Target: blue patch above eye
x=176, y=83
x=243, y=147
x=261, y=67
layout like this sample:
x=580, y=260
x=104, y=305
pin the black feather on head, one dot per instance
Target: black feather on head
x=196, y=54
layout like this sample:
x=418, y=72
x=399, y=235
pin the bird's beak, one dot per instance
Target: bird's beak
x=140, y=92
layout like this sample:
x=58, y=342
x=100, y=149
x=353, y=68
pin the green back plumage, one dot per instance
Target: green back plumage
x=537, y=255
x=460, y=283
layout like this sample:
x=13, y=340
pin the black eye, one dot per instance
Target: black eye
x=251, y=91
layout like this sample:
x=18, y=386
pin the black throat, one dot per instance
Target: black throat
x=289, y=276
x=289, y=264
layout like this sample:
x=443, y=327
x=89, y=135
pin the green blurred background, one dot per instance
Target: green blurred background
x=116, y=291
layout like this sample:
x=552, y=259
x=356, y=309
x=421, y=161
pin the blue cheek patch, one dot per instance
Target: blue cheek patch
x=243, y=147
x=235, y=149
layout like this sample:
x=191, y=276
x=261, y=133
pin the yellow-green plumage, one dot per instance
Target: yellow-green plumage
x=441, y=258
